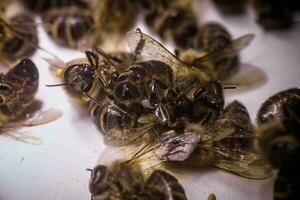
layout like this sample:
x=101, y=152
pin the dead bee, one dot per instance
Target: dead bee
x=273, y=14
x=213, y=37
x=226, y=143
x=231, y=7
x=127, y=181
x=41, y=6
x=81, y=76
x=67, y=26
x=17, y=105
x=18, y=34
x=174, y=20
x=279, y=140
x=154, y=94
x=273, y=108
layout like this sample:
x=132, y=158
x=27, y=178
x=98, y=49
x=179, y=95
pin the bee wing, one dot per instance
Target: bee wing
x=35, y=119
x=230, y=51
x=141, y=44
x=247, y=77
x=43, y=117
x=252, y=166
x=23, y=137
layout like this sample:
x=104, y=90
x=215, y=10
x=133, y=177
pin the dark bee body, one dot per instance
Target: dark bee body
x=18, y=37
x=273, y=14
x=18, y=88
x=18, y=107
x=152, y=96
x=122, y=181
x=212, y=37
x=68, y=25
x=120, y=108
x=231, y=6
x=272, y=109
x=280, y=142
x=41, y=6
x=117, y=16
x=80, y=76
x=174, y=20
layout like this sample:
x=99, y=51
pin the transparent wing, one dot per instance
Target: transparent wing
x=253, y=166
x=23, y=137
x=35, y=119
x=143, y=45
x=229, y=51
x=248, y=77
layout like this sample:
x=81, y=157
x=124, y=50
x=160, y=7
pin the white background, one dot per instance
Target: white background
x=56, y=169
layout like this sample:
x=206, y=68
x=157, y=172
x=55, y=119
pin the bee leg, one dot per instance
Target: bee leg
x=162, y=114
x=92, y=58
x=208, y=101
x=97, y=50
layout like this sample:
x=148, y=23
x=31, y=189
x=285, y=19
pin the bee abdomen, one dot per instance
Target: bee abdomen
x=214, y=36
x=44, y=5
x=157, y=69
x=166, y=185
x=115, y=124
x=25, y=78
x=26, y=42
x=272, y=108
x=68, y=26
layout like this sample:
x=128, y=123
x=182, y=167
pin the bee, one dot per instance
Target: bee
x=68, y=26
x=231, y=7
x=18, y=34
x=174, y=20
x=228, y=143
x=123, y=180
x=279, y=140
x=41, y=6
x=211, y=38
x=273, y=14
x=18, y=108
x=81, y=77
x=273, y=108
x=168, y=91
x=82, y=28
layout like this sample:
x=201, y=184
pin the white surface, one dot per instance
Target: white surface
x=56, y=169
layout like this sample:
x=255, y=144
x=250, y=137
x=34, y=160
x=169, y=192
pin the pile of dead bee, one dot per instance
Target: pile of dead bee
x=167, y=109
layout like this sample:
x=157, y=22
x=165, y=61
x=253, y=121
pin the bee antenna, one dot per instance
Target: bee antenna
x=229, y=87
x=88, y=169
x=56, y=85
x=91, y=98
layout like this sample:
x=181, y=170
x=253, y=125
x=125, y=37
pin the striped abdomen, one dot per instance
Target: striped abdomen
x=68, y=26
x=215, y=37
x=44, y=5
x=137, y=82
x=24, y=80
x=272, y=109
x=24, y=40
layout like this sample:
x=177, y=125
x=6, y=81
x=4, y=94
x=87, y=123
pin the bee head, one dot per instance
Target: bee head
x=79, y=78
x=98, y=180
x=6, y=93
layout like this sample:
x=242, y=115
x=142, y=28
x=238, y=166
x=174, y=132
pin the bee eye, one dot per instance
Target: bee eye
x=98, y=179
x=6, y=90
